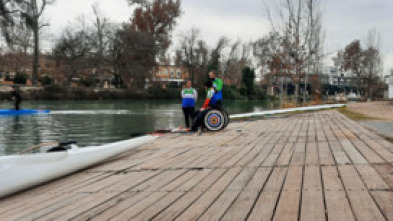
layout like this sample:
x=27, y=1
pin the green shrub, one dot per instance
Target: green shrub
x=45, y=80
x=20, y=78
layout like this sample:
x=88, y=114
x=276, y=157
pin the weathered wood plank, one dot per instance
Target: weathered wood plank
x=325, y=154
x=312, y=207
x=337, y=204
x=243, y=204
x=288, y=206
x=362, y=203
x=208, y=198
x=384, y=200
x=222, y=203
x=371, y=178
x=266, y=202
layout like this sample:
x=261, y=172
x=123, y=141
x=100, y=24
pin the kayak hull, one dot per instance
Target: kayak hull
x=289, y=110
x=19, y=172
x=23, y=112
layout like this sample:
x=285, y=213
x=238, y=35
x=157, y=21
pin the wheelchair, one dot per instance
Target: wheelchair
x=216, y=119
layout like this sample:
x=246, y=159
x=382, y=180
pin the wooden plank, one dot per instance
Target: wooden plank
x=244, y=202
x=386, y=172
x=266, y=202
x=155, y=208
x=312, y=207
x=369, y=154
x=325, y=154
x=129, y=208
x=178, y=207
x=371, y=178
x=162, y=179
x=208, y=198
x=51, y=204
x=232, y=161
x=274, y=154
x=261, y=157
x=222, y=203
x=352, y=152
x=382, y=151
x=38, y=195
x=288, y=206
x=138, y=207
x=362, y=203
x=384, y=200
x=250, y=156
x=311, y=154
x=337, y=204
x=91, y=200
x=286, y=155
x=298, y=156
x=173, y=195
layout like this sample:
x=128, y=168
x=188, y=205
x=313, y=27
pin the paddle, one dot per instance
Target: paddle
x=38, y=146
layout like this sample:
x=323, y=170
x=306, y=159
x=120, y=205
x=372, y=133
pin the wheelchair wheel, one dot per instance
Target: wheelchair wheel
x=226, y=118
x=214, y=120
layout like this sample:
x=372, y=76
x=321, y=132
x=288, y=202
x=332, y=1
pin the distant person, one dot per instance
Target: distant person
x=16, y=97
x=210, y=102
x=217, y=85
x=189, y=97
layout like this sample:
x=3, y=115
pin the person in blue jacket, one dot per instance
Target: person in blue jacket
x=189, y=97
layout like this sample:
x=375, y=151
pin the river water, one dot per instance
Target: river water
x=97, y=122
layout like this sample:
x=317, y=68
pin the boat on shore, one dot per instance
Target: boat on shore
x=20, y=172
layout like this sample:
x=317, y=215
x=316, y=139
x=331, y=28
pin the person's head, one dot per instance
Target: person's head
x=188, y=84
x=212, y=74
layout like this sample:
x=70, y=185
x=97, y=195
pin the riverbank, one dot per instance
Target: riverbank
x=55, y=92
x=313, y=166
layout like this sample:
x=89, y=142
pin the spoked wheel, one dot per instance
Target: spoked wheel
x=214, y=120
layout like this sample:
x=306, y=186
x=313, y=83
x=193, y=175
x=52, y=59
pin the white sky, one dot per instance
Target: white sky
x=344, y=20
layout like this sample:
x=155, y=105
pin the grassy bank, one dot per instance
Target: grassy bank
x=356, y=116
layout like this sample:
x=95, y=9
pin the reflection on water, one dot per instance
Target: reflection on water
x=96, y=122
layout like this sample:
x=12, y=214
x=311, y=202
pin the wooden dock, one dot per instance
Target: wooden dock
x=314, y=166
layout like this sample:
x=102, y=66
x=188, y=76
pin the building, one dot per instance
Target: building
x=170, y=75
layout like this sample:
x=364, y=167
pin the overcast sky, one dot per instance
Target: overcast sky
x=344, y=20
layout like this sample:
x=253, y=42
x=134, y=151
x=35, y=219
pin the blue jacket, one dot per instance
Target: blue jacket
x=189, y=97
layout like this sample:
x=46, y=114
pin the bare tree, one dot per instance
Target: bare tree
x=31, y=12
x=372, y=63
x=73, y=49
x=298, y=23
x=135, y=57
x=188, y=52
x=239, y=57
x=103, y=37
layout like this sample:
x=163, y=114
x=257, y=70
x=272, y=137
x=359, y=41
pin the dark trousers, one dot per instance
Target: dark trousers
x=188, y=114
x=200, y=115
x=17, y=104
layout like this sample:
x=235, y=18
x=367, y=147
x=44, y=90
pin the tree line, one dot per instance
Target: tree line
x=129, y=51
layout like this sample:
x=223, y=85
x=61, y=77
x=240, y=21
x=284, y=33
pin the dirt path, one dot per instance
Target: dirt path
x=382, y=109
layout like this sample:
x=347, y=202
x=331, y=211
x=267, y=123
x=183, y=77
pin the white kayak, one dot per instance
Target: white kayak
x=19, y=172
x=288, y=110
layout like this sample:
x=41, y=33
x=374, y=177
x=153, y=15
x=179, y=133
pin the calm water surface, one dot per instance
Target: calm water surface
x=96, y=122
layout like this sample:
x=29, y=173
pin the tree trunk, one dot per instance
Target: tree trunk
x=36, y=55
